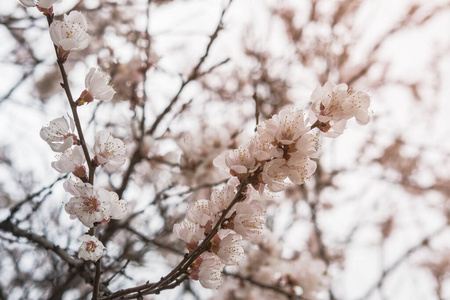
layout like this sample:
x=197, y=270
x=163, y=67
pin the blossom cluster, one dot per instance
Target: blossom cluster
x=282, y=150
x=89, y=204
x=244, y=221
x=303, y=275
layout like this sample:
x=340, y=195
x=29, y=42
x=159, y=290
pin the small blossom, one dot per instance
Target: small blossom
x=109, y=150
x=262, y=148
x=70, y=34
x=334, y=104
x=91, y=248
x=71, y=160
x=210, y=271
x=89, y=205
x=249, y=219
x=236, y=162
x=59, y=134
x=301, y=167
x=222, y=198
x=230, y=249
x=307, y=145
x=119, y=207
x=97, y=87
x=274, y=173
x=201, y=212
x=191, y=233
x=285, y=127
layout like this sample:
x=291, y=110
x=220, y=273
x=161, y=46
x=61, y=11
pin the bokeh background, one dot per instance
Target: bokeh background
x=375, y=214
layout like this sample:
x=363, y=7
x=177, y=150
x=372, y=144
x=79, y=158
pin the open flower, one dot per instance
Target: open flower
x=201, y=211
x=119, y=207
x=89, y=205
x=285, y=127
x=59, y=134
x=210, y=271
x=249, y=219
x=334, y=104
x=301, y=167
x=237, y=161
x=97, y=87
x=70, y=34
x=108, y=150
x=91, y=248
x=230, y=249
x=72, y=160
x=274, y=173
x=191, y=233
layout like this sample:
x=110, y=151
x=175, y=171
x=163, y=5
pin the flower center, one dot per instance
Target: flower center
x=91, y=246
x=91, y=204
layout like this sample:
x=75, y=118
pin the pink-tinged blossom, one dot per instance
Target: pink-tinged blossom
x=307, y=145
x=334, y=104
x=89, y=205
x=222, y=198
x=91, y=248
x=109, y=151
x=71, y=160
x=201, y=211
x=71, y=33
x=210, y=271
x=189, y=232
x=230, y=249
x=59, y=134
x=119, y=207
x=39, y=3
x=301, y=167
x=262, y=148
x=237, y=161
x=249, y=220
x=274, y=174
x=285, y=127
x=97, y=87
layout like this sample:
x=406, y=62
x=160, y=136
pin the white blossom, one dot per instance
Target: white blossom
x=301, y=167
x=237, y=161
x=119, y=207
x=337, y=103
x=59, y=134
x=274, y=173
x=307, y=144
x=70, y=33
x=91, y=248
x=201, y=212
x=189, y=232
x=262, y=148
x=230, y=249
x=109, y=150
x=210, y=273
x=249, y=220
x=89, y=205
x=97, y=87
x=222, y=198
x=285, y=127
x=70, y=160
